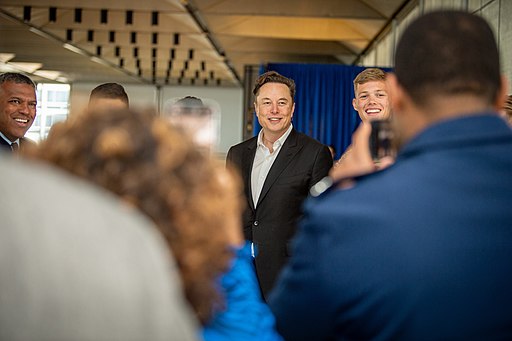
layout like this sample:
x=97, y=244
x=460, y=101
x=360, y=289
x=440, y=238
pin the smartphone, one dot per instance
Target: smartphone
x=382, y=140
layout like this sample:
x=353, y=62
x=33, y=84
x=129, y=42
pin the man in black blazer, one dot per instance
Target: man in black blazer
x=278, y=168
x=17, y=109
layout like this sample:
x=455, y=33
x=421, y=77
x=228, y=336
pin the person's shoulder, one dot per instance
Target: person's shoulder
x=245, y=144
x=308, y=140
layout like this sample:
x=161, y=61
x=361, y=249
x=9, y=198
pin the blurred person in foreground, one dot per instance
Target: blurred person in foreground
x=18, y=105
x=76, y=264
x=421, y=250
x=193, y=200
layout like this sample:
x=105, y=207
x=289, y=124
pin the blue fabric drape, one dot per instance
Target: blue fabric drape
x=323, y=101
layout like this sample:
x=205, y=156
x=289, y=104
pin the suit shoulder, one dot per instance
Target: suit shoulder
x=308, y=140
x=245, y=144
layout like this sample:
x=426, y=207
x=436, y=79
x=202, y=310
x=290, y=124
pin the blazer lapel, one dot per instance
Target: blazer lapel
x=247, y=162
x=288, y=151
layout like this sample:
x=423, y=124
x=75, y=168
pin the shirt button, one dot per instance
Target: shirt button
x=256, y=223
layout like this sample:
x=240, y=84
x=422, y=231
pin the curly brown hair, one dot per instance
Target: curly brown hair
x=152, y=166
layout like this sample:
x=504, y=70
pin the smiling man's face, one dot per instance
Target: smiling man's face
x=274, y=107
x=372, y=100
x=17, y=109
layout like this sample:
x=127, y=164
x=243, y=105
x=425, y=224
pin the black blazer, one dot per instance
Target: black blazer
x=301, y=163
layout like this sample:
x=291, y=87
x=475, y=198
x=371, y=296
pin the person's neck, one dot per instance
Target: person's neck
x=438, y=109
x=269, y=139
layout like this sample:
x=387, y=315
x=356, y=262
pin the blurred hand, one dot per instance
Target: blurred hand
x=358, y=160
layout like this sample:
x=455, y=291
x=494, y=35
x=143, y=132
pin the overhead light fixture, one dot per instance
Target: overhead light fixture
x=129, y=17
x=26, y=67
x=5, y=57
x=47, y=74
x=52, y=14
x=99, y=61
x=154, y=18
x=103, y=16
x=27, y=13
x=41, y=33
x=74, y=49
x=78, y=15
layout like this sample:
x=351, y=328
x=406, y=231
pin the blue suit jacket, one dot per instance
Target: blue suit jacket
x=301, y=163
x=419, y=251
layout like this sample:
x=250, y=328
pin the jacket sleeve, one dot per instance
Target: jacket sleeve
x=323, y=163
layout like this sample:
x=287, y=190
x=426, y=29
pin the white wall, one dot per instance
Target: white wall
x=230, y=101
x=496, y=12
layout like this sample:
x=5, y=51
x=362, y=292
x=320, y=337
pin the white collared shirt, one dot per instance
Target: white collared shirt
x=17, y=141
x=263, y=160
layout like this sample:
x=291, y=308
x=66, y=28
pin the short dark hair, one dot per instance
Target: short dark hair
x=16, y=77
x=274, y=77
x=190, y=106
x=110, y=90
x=448, y=53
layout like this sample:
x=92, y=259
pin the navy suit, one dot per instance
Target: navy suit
x=300, y=164
x=419, y=251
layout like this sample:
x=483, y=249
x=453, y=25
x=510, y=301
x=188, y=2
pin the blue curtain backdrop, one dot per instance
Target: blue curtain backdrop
x=323, y=108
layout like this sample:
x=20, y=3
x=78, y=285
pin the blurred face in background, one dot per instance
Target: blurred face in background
x=274, y=107
x=17, y=109
x=104, y=103
x=371, y=101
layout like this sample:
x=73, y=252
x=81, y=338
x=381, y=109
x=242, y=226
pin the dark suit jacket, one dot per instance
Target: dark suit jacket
x=7, y=147
x=419, y=251
x=300, y=164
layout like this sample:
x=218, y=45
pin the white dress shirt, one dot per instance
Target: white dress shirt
x=263, y=160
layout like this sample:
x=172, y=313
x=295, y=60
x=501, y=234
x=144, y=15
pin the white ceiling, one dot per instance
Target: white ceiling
x=212, y=40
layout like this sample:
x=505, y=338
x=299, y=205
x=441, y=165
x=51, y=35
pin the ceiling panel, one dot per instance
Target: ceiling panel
x=184, y=41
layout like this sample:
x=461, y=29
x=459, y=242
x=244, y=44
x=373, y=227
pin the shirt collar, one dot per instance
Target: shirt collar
x=279, y=142
x=17, y=141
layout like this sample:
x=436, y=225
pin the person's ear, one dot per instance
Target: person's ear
x=354, y=104
x=502, y=94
